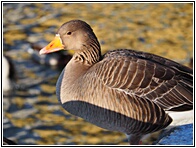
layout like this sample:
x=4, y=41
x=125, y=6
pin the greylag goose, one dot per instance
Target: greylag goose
x=124, y=90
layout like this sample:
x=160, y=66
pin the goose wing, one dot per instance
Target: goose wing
x=165, y=82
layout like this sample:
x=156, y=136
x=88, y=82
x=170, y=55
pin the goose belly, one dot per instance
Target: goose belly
x=99, y=116
x=109, y=119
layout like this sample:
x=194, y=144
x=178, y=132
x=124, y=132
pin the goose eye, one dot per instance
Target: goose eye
x=68, y=33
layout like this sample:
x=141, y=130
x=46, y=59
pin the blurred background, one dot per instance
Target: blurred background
x=31, y=112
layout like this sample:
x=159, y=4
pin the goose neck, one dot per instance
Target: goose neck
x=89, y=54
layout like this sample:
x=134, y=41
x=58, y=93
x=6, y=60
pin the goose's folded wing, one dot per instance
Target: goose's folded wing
x=167, y=83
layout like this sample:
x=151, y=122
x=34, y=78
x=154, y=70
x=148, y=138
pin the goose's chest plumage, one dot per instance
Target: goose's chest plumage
x=97, y=113
x=85, y=100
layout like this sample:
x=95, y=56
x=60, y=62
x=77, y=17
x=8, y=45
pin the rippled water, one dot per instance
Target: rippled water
x=31, y=113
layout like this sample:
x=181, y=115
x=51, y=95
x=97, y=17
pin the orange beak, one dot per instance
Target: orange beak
x=53, y=46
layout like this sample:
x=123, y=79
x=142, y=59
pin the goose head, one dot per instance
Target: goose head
x=73, y=35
